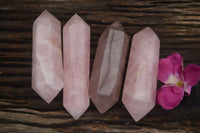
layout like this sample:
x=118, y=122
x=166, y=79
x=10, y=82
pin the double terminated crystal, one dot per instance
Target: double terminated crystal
x=139, y=92
x=108, y=67
x=76, y=49
x=47, y=71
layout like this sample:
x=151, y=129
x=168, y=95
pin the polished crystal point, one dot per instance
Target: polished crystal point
x=139, y=92
x=76, y=50
x=47, y=70
x=108, y=67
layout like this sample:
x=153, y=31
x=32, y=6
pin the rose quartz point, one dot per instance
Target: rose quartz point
x=47, y=70
x=139, y=92
x=108, y=67
x=76, y=48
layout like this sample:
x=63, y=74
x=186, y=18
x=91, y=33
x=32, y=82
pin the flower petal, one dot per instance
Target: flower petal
x=177, y=61
x=178, y=72
x=169, y=96
x=165, y=70
x=171, y=69
x=191, y=77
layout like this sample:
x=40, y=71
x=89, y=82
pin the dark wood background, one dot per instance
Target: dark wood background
x=176, y=22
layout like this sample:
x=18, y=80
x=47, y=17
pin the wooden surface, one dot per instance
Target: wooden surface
x=176, y=22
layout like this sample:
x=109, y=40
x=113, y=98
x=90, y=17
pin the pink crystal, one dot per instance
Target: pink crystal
x=76, y=48
x=139, y=92
x=108, y=67
x=47, y=71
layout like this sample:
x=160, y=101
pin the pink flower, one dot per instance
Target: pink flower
x=176, y=80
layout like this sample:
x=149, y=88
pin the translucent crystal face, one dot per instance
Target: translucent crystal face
x=108, y=67
x=76, y=49
x=47, y=71
x=141, y=78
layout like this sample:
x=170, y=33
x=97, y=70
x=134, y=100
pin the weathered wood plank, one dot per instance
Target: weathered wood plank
x=177, y=23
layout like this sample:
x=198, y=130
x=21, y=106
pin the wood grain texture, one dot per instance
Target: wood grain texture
x=177, y=23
